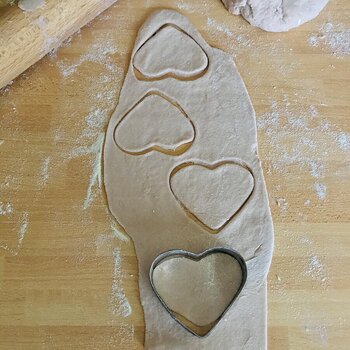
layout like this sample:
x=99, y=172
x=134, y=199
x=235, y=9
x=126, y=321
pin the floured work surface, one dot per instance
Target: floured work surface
x=189, y=178
x=74, y=281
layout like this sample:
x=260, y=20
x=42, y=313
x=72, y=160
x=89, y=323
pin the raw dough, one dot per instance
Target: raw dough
x=276, y=15
x=213, y=194
x=183, y=283
x=156, y=57
x=140, y=197
x=143, y=129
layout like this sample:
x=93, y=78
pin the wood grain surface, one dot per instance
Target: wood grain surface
x=68, y=276
x=28, y=36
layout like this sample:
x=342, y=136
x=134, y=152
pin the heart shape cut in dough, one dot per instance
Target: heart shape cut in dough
x=170, y=51
x=155, y=123
x=212, y=194
x=198, y=289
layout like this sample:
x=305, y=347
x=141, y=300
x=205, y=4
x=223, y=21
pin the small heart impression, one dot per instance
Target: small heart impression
x=212, y=194
x=198, y=289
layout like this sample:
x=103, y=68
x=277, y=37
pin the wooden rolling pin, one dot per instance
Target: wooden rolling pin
x=25, y=37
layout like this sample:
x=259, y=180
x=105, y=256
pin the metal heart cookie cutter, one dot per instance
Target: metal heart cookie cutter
x=198, y=289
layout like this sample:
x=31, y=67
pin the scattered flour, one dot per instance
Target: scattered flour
x=23, y=222
x=101, y=93
x=67, y=42
x=102, y=239
x=118, y=233
x=44, y=171
x=332, y=38
x=49, y=43
x=95, y=123
x=6, y=208
x=301, y=308
x=98, y=52
x=307, y=202
x=343, y=140
x=200, y=8
x=95, y=120
x=120, y=304
x=220, y=27
x=307, y=151
x=183, y=6
x=6, y=248
x=318, y=333
x=316, y=270
x=320, y=191
x=109, y=235
x=239, y=41
x=296, y=136
x=245, y=43
x=23, y=228
x=90, y=141
x=282, y=204
x=96, y=175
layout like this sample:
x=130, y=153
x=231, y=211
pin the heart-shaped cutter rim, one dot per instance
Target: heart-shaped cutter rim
x=169, y=254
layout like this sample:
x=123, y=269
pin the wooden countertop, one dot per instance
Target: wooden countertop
x=67, y=277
